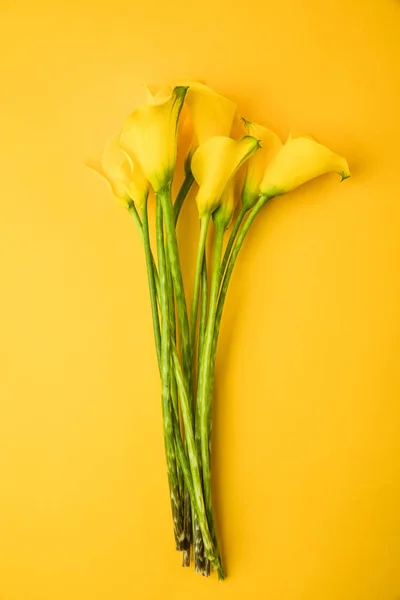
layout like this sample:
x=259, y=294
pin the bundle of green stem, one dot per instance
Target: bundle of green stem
x=144, y=156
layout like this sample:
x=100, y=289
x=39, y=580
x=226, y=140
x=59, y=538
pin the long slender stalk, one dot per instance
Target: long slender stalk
x=183, y=192
x=172, y=326
x=201, y=562
x=169, y=438
x=197, y=498
x=174, y=265
x=204, y=306
x=150, y=276
x=184, y=495
x=224, y=289
x=154, y=289
x=232, y=260
x=181, y=453
x=202, y=332
x=188, y=521
x=232, y=239
x=203, y=399
x=164, y=197
x=178, y=441
x=204, y=221
x=185, y=466
x=136, y=219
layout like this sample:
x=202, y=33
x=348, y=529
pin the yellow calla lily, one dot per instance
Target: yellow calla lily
x=270, y=145
x=149, y=135
x=214, y=163
x=211, y=114
x=298, y=161
x=156, y=94
x=125, y=178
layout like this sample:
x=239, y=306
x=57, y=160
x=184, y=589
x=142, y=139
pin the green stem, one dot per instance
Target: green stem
x=136, y=219
x=169, y=438
x=202, y=332
x=232, y=260
x=155, y=294
x=164, y=197
x=199, y=558
x=197, y=279
x=224, y=289
x=197, y=492
x=204, y=303
x=183, y=192
x=172, y=332
x=184, y=496
x=231, y=240
x=203, y=398
x=201, y=563
x=183, y=491
x=181, y=453
x=187, y=516
x=150, y=275
x=187, y=475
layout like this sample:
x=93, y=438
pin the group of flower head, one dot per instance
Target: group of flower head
x=144, y=153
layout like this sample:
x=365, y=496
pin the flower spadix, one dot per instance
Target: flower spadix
x=298, y=161
x=149, y=135
x=124, y=176
x=214, y=163
x=257, y=164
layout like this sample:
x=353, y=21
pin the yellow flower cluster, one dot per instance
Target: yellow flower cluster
x=145, y=151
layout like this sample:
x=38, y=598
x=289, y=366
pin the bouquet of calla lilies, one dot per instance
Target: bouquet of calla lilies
x=143, y=158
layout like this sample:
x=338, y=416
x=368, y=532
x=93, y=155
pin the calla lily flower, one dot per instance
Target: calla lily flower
x=257, y=164
x=298, y=161
x=125, y=177
x=211, y=114
x=156, y=94
x=214, y=163
x=149, y=135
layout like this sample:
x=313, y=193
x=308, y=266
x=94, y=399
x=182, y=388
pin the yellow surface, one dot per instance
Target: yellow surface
x=307, y=451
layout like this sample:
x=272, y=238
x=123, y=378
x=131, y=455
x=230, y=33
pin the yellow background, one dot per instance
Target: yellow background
x=307, y=450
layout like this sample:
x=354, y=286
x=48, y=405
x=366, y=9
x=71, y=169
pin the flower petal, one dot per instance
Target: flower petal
x=270, y=145
x=149, y=136
x=126, y=180
x=214, y=163
x=298, y=161
x=211, y=114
